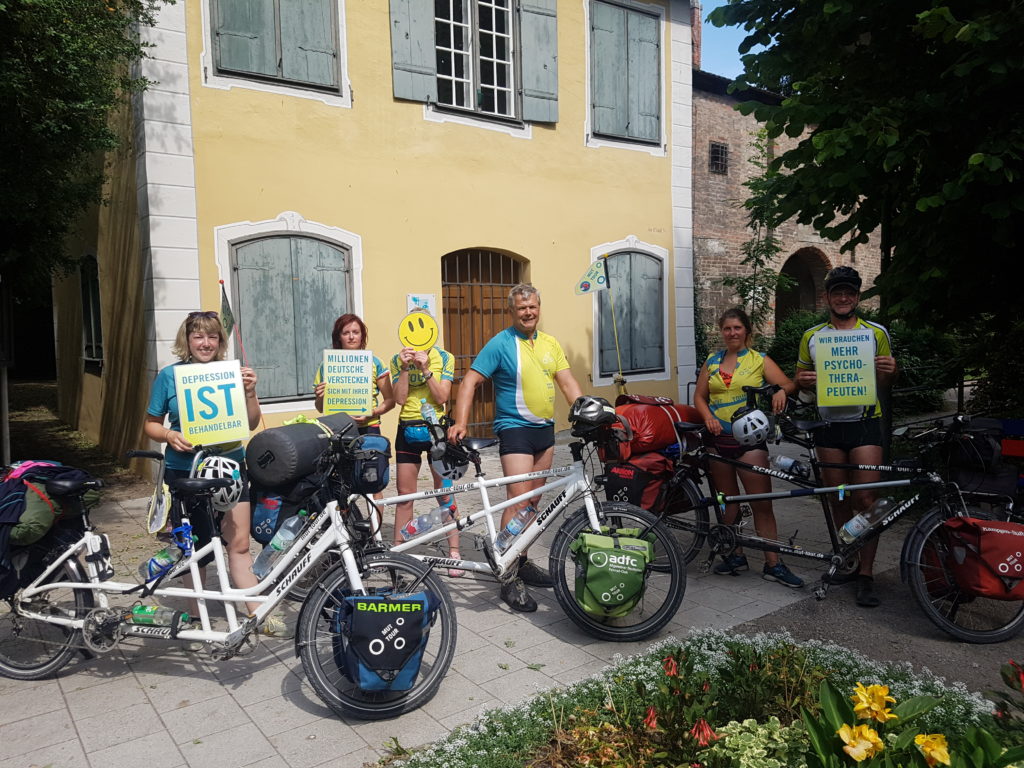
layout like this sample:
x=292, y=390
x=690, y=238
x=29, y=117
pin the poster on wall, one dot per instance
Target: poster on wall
x=348, y=376
x=844, y=362
x=211, y=402
x=421, y=302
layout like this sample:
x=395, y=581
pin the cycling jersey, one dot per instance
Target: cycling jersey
x=805, y=362
x=442, y=364
x=378, y=371
x=523, y=376
x=725, y=392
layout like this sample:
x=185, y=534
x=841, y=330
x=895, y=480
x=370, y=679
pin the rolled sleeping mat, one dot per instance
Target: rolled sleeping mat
x=281, y=456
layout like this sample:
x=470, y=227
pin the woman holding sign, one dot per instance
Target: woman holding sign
x=350, y=333
x=718, y=396
x=201, y=340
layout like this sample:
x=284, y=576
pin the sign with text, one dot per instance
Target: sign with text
x=845, y=364
x=348, y=374
x=211, y=402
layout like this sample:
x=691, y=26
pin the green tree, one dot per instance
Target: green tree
x=757, y=289
x=64, y=64
x=906, y=120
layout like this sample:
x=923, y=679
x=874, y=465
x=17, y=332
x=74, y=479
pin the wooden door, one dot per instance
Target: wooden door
x=474, y=291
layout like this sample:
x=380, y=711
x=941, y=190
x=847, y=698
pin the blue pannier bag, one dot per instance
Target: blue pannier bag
x=368, y=471
x=379, y=639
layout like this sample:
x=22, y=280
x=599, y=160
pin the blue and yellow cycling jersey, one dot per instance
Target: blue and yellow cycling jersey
x=725, y=394
x=805, y=362
x=524, y=377
x=378, y=371
x=442, y=364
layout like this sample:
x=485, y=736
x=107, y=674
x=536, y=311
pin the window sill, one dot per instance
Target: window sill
x=653, y=148
x=437, y=113
x=225, y=81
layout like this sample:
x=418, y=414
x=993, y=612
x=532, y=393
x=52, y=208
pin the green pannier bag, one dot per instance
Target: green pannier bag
x=611, y=571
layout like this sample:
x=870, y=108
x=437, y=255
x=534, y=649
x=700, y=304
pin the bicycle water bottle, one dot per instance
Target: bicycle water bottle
x=515, y=526
x=156, y=616
x=428, y=412
x=861, y=523
x=791, y=466
x=161, y=562
x=278, y=545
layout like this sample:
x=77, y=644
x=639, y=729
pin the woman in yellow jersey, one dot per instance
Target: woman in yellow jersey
x=718, y=396
x=350, y=333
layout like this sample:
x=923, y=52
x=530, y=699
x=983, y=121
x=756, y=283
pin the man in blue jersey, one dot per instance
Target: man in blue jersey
x=525, y=365
x=854, y=433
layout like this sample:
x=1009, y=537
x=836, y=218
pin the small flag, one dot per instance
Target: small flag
x=227, y=319
x=595, y=279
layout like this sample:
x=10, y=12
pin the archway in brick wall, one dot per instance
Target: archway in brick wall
x=807, y=267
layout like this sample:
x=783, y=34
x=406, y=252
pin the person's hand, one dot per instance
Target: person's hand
x=885, y=364
x=319, y=389
x=362, y=420
x=405, y=355
x=421, y=360
x=456, y=432
x=714, y=426
x=779, y=401
x=249, y=379
x=177, y=441
x=806, y=379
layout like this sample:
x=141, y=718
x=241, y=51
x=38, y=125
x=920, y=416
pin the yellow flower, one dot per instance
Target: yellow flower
x=861, y=742
x=934, y=748
x=869, y=703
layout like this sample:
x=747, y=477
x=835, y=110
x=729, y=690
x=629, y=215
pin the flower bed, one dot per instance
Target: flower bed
x=720, y=699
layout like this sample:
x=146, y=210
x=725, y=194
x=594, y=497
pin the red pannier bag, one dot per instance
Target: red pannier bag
x=639, y=480
x=652, y=420
x=986, y=557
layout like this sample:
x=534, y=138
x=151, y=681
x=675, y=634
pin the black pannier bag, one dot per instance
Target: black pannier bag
x=366, y=467
x=281, y=456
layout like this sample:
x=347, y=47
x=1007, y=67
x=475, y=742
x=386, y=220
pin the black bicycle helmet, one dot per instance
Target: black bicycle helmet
x=842, y=276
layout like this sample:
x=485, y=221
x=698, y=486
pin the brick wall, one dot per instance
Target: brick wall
x=719, y=220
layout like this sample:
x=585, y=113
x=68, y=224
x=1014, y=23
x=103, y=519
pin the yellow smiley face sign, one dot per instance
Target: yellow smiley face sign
x=418, y=331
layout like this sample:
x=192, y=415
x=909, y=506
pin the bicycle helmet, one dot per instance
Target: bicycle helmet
x=842, y=276
x=449, y=466
x=589, y=411
x=750, y=426
x=218, y=466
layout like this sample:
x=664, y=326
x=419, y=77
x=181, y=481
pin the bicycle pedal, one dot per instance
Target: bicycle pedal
x=746, y=510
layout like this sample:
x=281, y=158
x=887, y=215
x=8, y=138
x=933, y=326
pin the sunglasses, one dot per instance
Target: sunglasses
x=209, y=314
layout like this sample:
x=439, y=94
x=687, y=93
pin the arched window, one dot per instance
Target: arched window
x=92, y=327
x=288, y=292
x=636, y=288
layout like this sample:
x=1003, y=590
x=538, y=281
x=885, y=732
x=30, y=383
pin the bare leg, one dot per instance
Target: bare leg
x=235, y=533
x=520, y=464
x=764, y=516
x=407, y=474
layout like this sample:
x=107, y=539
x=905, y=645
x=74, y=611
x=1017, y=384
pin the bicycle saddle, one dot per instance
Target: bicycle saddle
x=478, y=443
x=685, y=426
x=192, y=486
x=71, y=486
x=807, y=426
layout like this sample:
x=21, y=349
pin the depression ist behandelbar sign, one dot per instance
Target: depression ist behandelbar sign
x=348, y=374
x=845, y=364
x=211, y=402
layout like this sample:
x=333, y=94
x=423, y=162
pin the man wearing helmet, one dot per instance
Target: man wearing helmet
x=525, y=365
x=854, y=434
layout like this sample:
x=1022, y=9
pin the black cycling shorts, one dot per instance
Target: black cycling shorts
x=847, y=435
x=526, y=440
x=727, y=447
x=406, y=452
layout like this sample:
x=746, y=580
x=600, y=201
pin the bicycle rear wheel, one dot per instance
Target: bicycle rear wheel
x=687, y=517
x=967, y=617
x=385, y=573
x=32, y=649
x=665, y=578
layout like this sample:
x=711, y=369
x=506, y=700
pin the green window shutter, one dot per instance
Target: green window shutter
x=644, y=51
x=266, y=313
x=245, y=36
x=320, y=295
x=308, y=51
x=635, y=281
x=539, y=36
x=608, y=75
x=413, y=54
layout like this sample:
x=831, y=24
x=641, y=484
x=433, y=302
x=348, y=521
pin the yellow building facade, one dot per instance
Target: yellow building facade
x=357, y=156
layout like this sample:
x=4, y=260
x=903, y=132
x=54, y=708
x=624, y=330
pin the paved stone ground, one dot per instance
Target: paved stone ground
x=164, y=707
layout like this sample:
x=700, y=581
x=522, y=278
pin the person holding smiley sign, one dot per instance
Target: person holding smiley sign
x=420, y=371
x=201, y=339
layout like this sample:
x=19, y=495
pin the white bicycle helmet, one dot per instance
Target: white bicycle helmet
x=448, y=467
x=591, y=411
x=750, y=426
x=218, y=466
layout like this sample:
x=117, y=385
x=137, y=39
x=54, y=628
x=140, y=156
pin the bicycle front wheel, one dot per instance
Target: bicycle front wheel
x=665, y=578
x=967, y=617
x=687, y=517
x=33, y=649
x=319, y=646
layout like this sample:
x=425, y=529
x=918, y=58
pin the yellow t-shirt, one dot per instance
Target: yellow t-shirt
x=442, y=364
x=724, y=398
